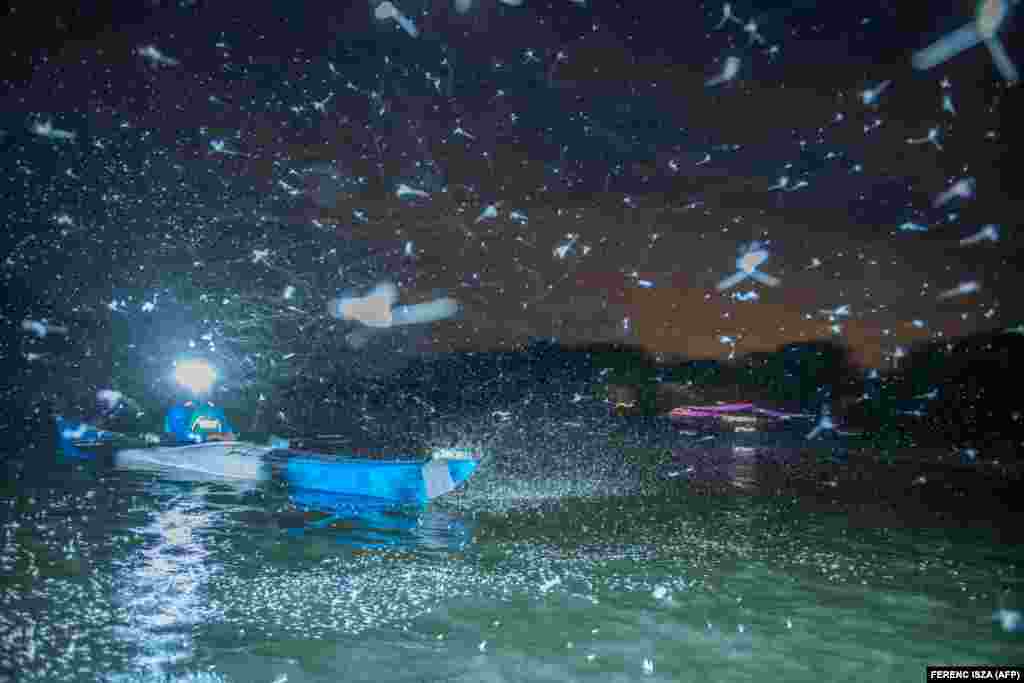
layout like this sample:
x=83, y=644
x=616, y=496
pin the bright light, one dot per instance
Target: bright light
x=195, y=374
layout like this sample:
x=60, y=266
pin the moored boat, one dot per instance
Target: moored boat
x=733, y=417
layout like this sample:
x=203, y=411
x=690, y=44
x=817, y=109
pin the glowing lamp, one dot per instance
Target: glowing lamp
x=195, y=375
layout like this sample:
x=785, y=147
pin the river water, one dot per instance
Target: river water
x=646, y=566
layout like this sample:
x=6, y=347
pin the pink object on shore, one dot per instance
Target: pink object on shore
x=726, y=408
x=709, y=411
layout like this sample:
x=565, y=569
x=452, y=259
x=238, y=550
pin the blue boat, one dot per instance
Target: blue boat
x=407, y=481
x=402, y=481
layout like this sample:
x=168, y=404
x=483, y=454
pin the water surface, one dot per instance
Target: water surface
x=126, y=576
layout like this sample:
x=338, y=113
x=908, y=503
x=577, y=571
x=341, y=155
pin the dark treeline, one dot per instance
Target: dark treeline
x=957, y=392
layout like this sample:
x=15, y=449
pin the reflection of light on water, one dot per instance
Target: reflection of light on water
x=740, y=419
x=161, y=592
x=362, y=522
x=184, y=677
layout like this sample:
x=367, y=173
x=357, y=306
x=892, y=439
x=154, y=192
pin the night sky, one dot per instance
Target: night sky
x=217, y=154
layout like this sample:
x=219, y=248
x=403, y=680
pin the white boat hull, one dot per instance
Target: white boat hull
x=236, y=461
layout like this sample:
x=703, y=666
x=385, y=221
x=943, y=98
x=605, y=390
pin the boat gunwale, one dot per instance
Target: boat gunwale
x=287, y=454
x=245, y=448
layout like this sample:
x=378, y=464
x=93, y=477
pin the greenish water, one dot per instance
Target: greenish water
x=576, y=576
